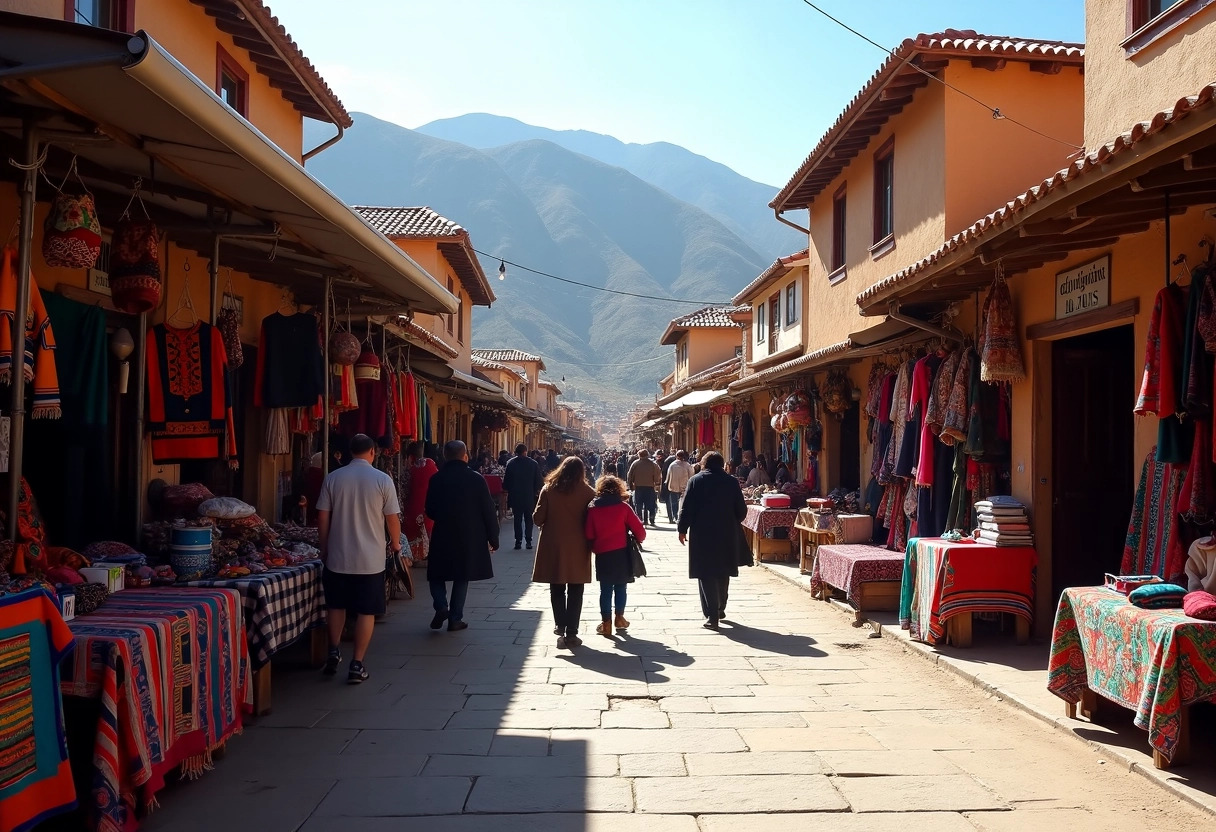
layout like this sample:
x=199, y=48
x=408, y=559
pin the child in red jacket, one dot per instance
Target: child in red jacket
x=607, y=520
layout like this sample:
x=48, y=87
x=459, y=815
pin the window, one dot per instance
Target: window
x=460, y=319
x=791, y=304
x=1148, y=20
x=774, y=314
x=231, y=82
x=838, y=230
x=451, y=290
x=760, y=324
x=884, y=191
x=104, y=14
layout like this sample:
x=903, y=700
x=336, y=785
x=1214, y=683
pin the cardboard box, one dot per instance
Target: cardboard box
x=105, y=573
x=67, y=605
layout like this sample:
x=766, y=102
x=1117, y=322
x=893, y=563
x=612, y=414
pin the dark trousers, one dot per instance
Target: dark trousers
x=567, y=606
x=713, y=593
x=673, y=506
x=439, y=594
x=646, y=500
x=607, y=591
x=523, y=524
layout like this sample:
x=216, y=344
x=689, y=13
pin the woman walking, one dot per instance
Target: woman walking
x=607, y=521
x=563, y=554
x=712, y=511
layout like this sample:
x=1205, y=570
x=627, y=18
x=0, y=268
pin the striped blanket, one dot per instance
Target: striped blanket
x=171, y=668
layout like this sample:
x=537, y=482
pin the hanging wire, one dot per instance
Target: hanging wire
x=995, y=111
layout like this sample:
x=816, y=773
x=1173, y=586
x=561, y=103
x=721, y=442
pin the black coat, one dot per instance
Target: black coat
x=712, y=511
x=466, y=525
x=522, y=482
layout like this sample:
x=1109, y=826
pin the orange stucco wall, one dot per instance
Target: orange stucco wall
x=710, y=347
x=989, y=161
x=427, y=255
x=1122, y=90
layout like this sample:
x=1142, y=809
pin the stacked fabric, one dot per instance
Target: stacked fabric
x=1003, y=522
x=1158, y=596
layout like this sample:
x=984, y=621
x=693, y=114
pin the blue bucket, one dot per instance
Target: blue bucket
x=190, y=554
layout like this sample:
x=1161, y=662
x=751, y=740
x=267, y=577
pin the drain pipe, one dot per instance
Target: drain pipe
x=894, y=314
x=325, y=145
x=792, y=225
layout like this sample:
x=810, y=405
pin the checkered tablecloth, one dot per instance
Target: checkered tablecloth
x=280, y=606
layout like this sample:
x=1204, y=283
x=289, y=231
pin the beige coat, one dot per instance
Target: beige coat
x=563, y=553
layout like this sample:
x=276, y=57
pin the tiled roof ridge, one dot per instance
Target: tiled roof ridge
x=786, y=368
x=425, y=335
x=483, y=352
x=1089, y=161
x=412, y=214
x=767, y=274
x=962, y=41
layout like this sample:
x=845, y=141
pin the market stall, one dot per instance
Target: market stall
x=769, y=531
x=945, y=582
x=869, y=576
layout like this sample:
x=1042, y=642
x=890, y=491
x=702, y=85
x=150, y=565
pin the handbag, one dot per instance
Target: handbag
x=635, y=555
x=745, y=552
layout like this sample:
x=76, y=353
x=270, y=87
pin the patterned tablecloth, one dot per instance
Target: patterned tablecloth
x=1151, y=661
x=280, y=606
x=848, y=566
x=171, y=668
x=943, y=579
x=763, y=520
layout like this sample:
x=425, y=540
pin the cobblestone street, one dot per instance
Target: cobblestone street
x=787, y=719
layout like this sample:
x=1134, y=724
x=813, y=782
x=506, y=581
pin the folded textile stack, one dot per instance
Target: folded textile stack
x=1003, y=522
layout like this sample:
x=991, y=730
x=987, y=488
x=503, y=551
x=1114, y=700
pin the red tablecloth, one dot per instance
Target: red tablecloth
x=171, y=668
x=763, y=520
x=943, y=579
x=1152, y=661
x=494, y=481
x=848, y=566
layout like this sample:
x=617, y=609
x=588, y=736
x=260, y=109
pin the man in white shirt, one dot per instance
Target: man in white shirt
x=678, y=475
x=358, y=503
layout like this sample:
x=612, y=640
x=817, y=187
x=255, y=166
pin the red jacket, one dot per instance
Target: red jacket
x=606, y=524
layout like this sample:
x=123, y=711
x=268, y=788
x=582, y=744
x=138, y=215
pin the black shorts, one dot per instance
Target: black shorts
x=357, y=594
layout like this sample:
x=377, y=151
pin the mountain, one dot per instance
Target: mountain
x=739, y=203
x=542, y=205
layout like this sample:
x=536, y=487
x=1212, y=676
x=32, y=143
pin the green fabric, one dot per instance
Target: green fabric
x=80, y=359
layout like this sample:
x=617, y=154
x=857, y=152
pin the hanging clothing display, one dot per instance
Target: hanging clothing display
x=1154, y=541
x=1161, y=386
x=407, y=410
x=189, y=415
x=291, y=366
x=38, y=352
x=424, y=415
x=1001, y=351
x=278, y=432
x=371, y=416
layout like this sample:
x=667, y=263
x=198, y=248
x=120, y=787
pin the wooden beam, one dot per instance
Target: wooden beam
x=255, y=47
x=1106, y=206
x=990, y=64
x=1047, y=67
x=1173, y=177
x=1064, y=225
x=932, y=66
x=1087, y=321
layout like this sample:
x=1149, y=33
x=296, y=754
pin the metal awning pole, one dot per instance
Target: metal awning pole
x=213, y=271
x=329, y=288
x=141, y=376
x=25, y=252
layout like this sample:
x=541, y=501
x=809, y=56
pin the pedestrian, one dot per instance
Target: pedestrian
x=607, y=521
x=644, y=479
x=523, y=483
x=661, y=460
x=622, y=465
x=712, y=511
x=466, y=533
x=783, y=474
x=563, y=553
x=504, y=456
x=678, y=474
x=744, y=469
x=759, y=474
x=552, y=460
x=356, y=507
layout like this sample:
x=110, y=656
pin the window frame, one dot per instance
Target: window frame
x=460, y=318
x=761, y=323
x=774, y=314
x=1143, y=29
x=123, y=14
x=840, y=233
x=791, y=305
x=227, y=65
x=450, y=315
x=884, y=197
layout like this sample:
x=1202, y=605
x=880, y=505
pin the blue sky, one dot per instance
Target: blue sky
x=749, y=83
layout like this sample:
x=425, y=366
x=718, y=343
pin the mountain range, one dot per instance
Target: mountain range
x=534, y=200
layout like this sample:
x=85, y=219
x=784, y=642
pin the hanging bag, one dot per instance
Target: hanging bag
x=230, y=329
x=72, y=235
x=636, y=564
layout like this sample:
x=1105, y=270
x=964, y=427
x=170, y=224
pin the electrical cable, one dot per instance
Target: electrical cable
x=666, y=357
x=601, y=288
x=995, y=111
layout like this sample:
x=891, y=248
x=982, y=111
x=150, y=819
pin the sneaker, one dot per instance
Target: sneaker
x=561, y=643
x=710, y=624
x=517, y=545
x=528, y=545
x=332, y=661
x=357, y=674
x=454, y=626
x=438, y=620
x=573, y=641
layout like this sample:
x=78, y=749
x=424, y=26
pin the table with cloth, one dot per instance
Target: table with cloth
x=1155, y=662
x=170, y=666
x=758, y=528
x=35, y=775
x=869, y=575
x=494, y=482
x=945, y=582
x=280, y=605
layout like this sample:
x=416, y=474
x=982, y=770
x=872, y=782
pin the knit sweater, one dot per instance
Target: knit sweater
x=1201, y=565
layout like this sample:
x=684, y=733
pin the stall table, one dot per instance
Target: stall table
x=869, y=575
x=170, y=666
x=945, y=582
x=1156, y=662
x=34, y=767
x=280, y=606
x=810, y=538
x=494, y=482
x=758, y=528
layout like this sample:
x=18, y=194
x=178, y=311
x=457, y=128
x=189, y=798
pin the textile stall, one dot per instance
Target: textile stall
x=769, y=531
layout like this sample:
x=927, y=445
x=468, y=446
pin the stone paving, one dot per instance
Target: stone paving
x=787, y=719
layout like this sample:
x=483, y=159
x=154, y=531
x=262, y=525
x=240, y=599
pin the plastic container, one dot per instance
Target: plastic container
x=775, y=500
x=190, y=553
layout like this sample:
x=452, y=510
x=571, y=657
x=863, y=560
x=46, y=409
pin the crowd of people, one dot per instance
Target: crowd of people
x=589, y=509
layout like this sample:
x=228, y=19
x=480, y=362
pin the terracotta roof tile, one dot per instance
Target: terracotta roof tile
x=1089, y=165
x=708, y=317
x=780, y=266
x=418, y=222
x=826, y=161
x=508, y=356
x=802, y=363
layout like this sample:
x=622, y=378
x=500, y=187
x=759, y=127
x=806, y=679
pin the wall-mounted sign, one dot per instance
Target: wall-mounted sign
x=1083, y=288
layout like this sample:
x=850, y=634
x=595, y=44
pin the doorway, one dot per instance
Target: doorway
x=1093, y=392
x=850, y=448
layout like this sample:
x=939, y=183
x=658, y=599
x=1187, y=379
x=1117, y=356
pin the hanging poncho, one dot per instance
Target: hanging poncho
x=1001, y=353
x=39, y=352
x=189, y=414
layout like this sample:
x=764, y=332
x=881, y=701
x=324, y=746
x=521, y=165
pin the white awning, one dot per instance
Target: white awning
x=693, y=399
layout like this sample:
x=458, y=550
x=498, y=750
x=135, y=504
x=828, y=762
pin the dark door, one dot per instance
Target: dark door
x=1093, y=392
x=850, y=448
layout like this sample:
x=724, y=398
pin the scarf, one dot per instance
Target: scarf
x=39, y=341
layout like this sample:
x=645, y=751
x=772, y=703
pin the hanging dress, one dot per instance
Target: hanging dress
x=1161, y=386
x=415, y=525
